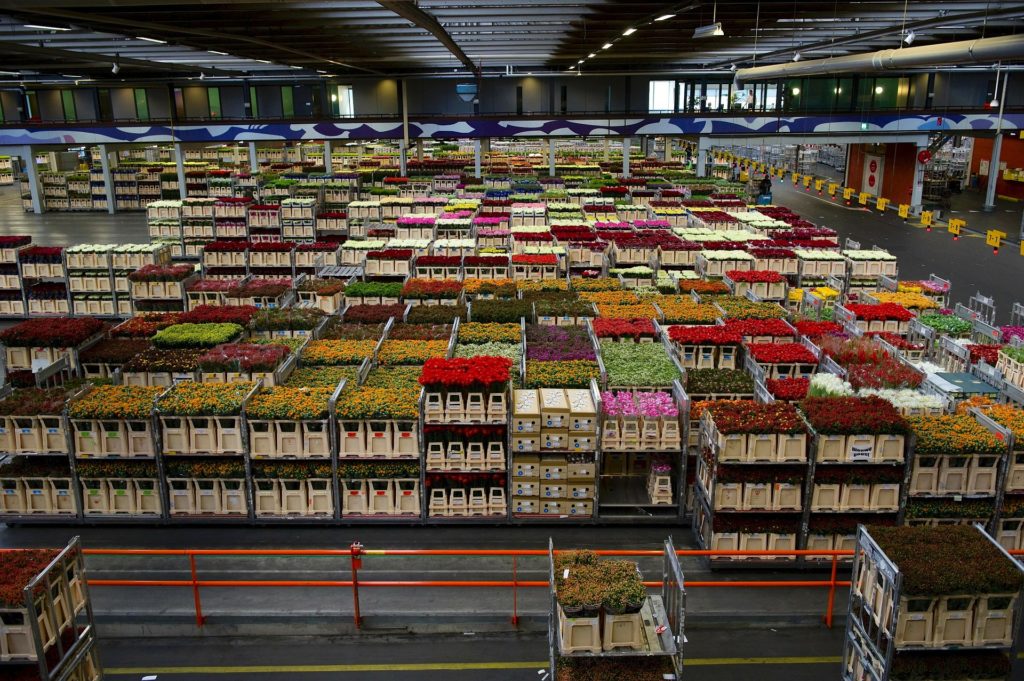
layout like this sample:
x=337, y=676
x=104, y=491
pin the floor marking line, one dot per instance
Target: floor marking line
x=441, y=666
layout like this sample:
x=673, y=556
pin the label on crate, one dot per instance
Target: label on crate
x=62, y=493
x=26, y=431
x=37, y=492
x=861, y=454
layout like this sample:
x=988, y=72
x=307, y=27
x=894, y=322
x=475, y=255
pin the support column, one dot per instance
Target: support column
x=476, y=158
x=179, y=161
x=668, y=150
x=626, y=142
x=32, y=170
x=993, y=174
x=551, y=156
x=703, y=149
x=403, y=159
x=328, y=163
x=419, y=150
x=486, y=149
x=108, y=179
x=606, y=143
x=254, y=165
x=917, y=189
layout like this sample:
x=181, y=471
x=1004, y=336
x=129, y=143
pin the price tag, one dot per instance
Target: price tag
x=882, y=204
x=904, y=211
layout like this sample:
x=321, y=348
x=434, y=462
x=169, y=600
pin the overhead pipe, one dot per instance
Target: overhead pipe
x=981, y=51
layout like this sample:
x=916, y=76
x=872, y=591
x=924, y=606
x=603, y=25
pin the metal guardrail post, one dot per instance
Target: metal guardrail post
x=356, y=550
x=200, y=619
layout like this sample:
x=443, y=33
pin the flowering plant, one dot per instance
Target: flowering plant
x=372, y=314
x=503, y=311
x=336, y=352
x=115, y=402
x=545, y=259
x=889, y=373
x=391, y=254
x=162, y=273
x=560, y=374
x=260, y=288
x=410, y=351
x=829, y=385
x=161, y=361
x=431, y=288
x=650, y=405
x=741, y=308
x=289, y=404
x=213, y=285
x=436, y=314
x=911, y=301
x=114, y=351
x=367, y=402
x=481, y=372
x=218, y=314
x=881, y=311
x=438, y=261
x=781, y=353
x=946, y=323
x=755, y=276
x=953, y=434
x=204, y=399
x=485, y=261
x=754, y=417
x=420, y=332
x=788, y=389
x=645, y=364
x=196, y=335
x=33, y=402
x=287, y=319
x=502, y=288
x=814, y=329
x=596, y=284
x=760, y=327
x=719, y=381
x=320, y=377
x=631, y=311
x=702, y=286
x=556, y=343
x=59, y=332
x=704, y=335
x=478, y=332
x=853, y=351
x=683, y=310
x=853, y=416
x=623, y=328
x=988, y=353
x=245, y=357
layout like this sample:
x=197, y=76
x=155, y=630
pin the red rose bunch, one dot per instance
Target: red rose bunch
x=272, y=246
x=788, y=389
x=743, y=416
x=59, y=332
x=881, y=311
x=771, y=252
x=853, y=416
x=391, y=254
x=227, y=246
x=439, y=261
x=623, y=328
x=218, y=314
x=781, y=353
x=760, y=327
x=431, y=288
x=542, y=259
x=889, y=373
x=755, y=276
x=482, y=372
x=485, y=260
x=704, y=335
x=813, y=329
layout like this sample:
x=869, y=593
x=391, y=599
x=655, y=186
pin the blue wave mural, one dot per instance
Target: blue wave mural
x=480, y=127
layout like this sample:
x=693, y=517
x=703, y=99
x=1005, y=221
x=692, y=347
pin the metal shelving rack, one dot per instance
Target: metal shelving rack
x=870, y=644
x=664, y=631
x=57, y=599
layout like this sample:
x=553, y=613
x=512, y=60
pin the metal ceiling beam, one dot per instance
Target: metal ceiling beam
x=101, y=59
x=163, y=29
x=413, y=13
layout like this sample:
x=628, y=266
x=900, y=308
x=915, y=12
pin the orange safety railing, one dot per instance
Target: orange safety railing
x=356, y=552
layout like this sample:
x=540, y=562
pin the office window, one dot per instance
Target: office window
x=67, y=98
x=519, y=99
x=341, y=100
x=213, y=94
x=564, y=105
x=141, y=104
x=287, y=102
x=660, y=96
x=254, y=107
x=106, y=109
x=689, y=96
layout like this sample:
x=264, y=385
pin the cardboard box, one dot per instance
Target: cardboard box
x=525, y=505
x=526, y=412
x=580, y=508
x=554, y=408
x=582, y=411
x=550, y=491
x=525, y=443
x=553, y=469
x=527, y=467
x=553, y=507
x=525, y=488
x=581, y=490
x=582, y=442
x=554, y=439
x=582, y=471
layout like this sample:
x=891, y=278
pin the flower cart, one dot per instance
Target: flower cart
x=764, y=284
x=310, y=258
x=158, y=367
x=754, y=461
x=706, y=347
x=38, y=489
x=380, y=491
x=208, y=488
x=354, y=252
x=486, y=267
x=888, y=317
x=293, y=489
x=415, y=227
x=161, y=287
x=120, y=489
x=438, y=267
x=389, y=262
x=47, y=629
x=326, y=295
x=105, y=356
x=530, y=267
x=378, y=422
x=247, y=363
x=38, y=343
x=262, y=293
x=211, y=291
x=784, y=360
x=203, y=418
x=870, y=264
x=911, y=609
x=781, y=260
x=603, y=622
x=819, y=264
x=113, y=422
x=218, y=254
x=373, y=293
x=711, y=263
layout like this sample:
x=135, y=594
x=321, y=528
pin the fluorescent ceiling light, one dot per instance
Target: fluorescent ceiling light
x=629, y=31
x=606, y=46
x=663, y=17
x=10, y=73
x=797, y=57
x=69, y=75
x=710, y=31
x=262, y=61
x=591, y=55
x=223, y=54
x=42, y=27
x=151, y=40
x=580, y=61
x=909, y=37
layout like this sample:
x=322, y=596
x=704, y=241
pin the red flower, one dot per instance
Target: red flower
x=218, y=314
x=465, y=373
x=438, y=261
x=704, y=335
x=755, y=276
x=781, y=353
x=788, y=389
x=623, y=328
x=485, y=261
x=227, y=247
x=545, y=259
x=431, y=288
x=391, y=254
x=881, y=311
x=989, y=353
x=760, y=327
x=853, y=415
x=813, y=329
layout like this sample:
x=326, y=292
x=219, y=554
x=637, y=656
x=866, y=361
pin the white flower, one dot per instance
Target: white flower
x=829, y=385
x=906, y=398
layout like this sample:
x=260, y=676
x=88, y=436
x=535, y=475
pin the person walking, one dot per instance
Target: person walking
x=765, y=188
